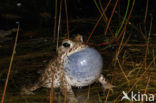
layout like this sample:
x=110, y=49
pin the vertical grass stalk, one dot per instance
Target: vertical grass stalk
x=123, y=21
x=147, y=2
x=109, y=21
x=52, y=89
x=55, y=19
x=59, y=23
x=66, y=18
x=98, y=21
x=10, y=66
x=126, y=22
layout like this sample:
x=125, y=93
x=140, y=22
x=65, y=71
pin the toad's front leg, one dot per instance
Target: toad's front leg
x=67, y=91
x=104, y=83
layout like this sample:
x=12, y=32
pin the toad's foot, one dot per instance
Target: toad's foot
x=73, y=100
x=29, y=89
x=105, y=84
x=25, y=91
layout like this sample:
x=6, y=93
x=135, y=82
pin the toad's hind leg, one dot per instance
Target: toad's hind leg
x=29, y=89
x=104, y=83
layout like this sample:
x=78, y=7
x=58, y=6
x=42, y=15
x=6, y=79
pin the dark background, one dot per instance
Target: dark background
x=29, y=13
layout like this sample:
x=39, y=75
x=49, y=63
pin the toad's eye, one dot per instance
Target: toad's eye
x=66, y=45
